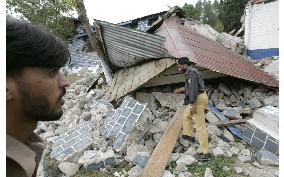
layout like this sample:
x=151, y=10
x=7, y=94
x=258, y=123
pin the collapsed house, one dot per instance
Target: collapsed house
x=95, y=134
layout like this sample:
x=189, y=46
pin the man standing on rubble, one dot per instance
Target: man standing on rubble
x=34, y=90
x=197, y=101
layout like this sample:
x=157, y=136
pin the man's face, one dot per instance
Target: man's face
x=182, y=68
x=40, y=92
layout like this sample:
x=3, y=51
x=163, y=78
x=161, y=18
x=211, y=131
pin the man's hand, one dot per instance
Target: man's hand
x=179, y=90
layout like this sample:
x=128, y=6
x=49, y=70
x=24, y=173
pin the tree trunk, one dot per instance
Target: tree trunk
x=82, y=15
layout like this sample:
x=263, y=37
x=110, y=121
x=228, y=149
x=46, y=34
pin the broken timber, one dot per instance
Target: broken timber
x=161, y=154
x=231, y=122
x=233, y=130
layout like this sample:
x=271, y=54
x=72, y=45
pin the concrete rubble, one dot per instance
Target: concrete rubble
x=92, y=128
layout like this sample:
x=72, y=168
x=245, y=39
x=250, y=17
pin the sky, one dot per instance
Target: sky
x=124, y=10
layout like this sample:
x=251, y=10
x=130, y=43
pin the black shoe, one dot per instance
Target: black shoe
x=203, y=157
x=189, y=138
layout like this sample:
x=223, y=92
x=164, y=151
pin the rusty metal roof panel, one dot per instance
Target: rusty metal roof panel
x=126, y=47
x=209, y=54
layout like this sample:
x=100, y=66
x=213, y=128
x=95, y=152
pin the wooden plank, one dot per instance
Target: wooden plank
x=117, y=85
x=128, y=84
x=123, y=83
x=231, y=122
x=161, y=154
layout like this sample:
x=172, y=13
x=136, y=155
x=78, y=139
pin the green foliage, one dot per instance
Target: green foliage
x=222, y=15
x=54, y=14
x=216, y=165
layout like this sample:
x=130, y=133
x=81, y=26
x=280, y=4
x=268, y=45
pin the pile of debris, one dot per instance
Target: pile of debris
x=93, y=135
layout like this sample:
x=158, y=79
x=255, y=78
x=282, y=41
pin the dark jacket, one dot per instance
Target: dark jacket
x=194, y=85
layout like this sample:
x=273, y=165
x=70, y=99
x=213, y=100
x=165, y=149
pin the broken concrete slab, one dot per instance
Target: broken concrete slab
x=128, y=123
x=267, y=158
x=73, y=142
x=227, y=135
x=211, y=117
x=245, y=156
x=147, y=98
x=95, y=160
x=137, y=154
x=272, y=100
x=233, y=112
x=261, y=134
x=222, y=87
x=208, y=173
x=218, y=152
x=170, y=100
x=69, y=169
x=134, y=171
x=254, y=103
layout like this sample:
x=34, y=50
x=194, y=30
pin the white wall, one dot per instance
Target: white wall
x=262, y=26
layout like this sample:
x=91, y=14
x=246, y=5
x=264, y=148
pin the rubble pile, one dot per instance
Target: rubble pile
x=82, y=139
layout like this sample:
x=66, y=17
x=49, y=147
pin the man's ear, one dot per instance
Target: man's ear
x=9, y=88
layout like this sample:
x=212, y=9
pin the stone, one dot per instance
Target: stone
x=245, y=156
x=69, y=169
x=208, y=173
x=218, y=152
x=272, y=100
x=252, y=171
x=167, y=173
x=222, y=87
x=234, y=150
x=95, y=160
x=227, y=135
x=134, y=171
x=254, y=103
x=247, y=110
x=213, y=130
x=226, y=168
x=174, y=157
x=185, y=174
x=141, y=159
x=184, y=142
x=170, y=100
x=211, y=117
x=233, y=112
x=186, y=160
x=138, y=152
x=221, y=106
x=86, y=116
x=238, y=170
x=256, y=164
x=247, y=92
x=267, y=158
x=147, y=98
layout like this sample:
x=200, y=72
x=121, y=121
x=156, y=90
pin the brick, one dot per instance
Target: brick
x=107, y=130
x=59, y=138
x=115, y=130
x=257, y=143
x=121, y=120
x=68, y=138
x=71, y=142
x=66, y=153
x=95, y=166
x=138, y=109
x=83, y=143
x=114, y=119
x=58, y=143
x=260, y=134
x=56, y=151
x=69, y=132
x=119, y=140
x=84, y=135
x=84, y=129
x=131, y=103
x=129, y=123
x=126, y=112
x=272, y=146
x=111, y=113
x=123, y=105
x=248, y=132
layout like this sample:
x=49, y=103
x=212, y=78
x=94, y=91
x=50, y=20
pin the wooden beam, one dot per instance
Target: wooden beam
x=231, y=122
x=161, y=154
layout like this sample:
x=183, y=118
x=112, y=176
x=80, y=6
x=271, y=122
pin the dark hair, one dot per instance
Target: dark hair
x=29, y=45
x=185, y=61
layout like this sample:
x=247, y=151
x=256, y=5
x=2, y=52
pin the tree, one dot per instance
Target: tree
x=189, y=10
x=232, y=13
x=53, y=14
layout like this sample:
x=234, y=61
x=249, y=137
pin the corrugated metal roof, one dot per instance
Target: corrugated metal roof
x=209, y=54
x=126, y=47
